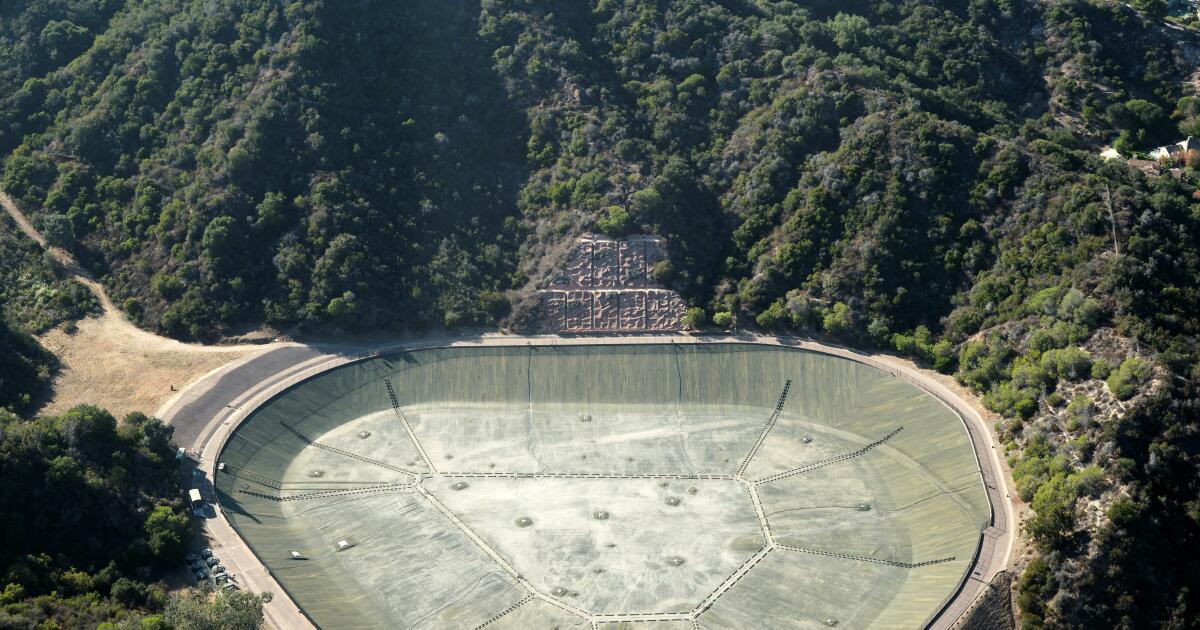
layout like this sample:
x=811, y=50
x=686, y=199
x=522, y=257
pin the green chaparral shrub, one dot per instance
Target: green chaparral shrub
x=1126, y=379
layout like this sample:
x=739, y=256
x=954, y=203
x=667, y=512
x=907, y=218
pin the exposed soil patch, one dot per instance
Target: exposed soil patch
x=110, y=363
x=994, y=610
x=107, y=361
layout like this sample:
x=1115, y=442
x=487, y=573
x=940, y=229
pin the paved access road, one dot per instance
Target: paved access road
x=199, y=404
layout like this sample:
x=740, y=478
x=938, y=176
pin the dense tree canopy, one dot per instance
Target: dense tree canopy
x=271, y=161
x=35, y=295
x=24, y=369
x=250, y=160
x=89, y=509
x=915, y=175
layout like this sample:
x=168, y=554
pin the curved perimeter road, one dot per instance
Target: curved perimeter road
x=205, y=414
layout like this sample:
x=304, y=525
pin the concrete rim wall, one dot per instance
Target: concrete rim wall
x=213, y=439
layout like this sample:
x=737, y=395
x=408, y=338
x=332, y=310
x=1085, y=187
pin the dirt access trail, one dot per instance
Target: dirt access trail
x=110, y=362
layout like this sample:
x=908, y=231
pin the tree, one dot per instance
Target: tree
x=1054, y=512
x=1010, y=400
x=849, y=31
x=270, y=212
x=695, y=318
x=58, y=230
x=62, y=38
x=1125, y=380
x=663, y=272
x=1154, y=8
x=1144, y=113
x=76, y=469
x=1035, y=587
x=88, y=429
x=919, y=344
x=1187, y=112
x=25, y=369
x=223, y=241
x=615, y=222
x=227, y=610
x=166, y=532
x=945, y=359
x=878, y=330
x=773, y=317
x=341, y=309
x=839, y=320
x=1072, y=363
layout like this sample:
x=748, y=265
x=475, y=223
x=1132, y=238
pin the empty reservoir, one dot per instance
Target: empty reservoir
x=724, y=485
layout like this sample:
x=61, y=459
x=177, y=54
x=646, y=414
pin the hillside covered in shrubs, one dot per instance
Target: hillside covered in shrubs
x=918, y=176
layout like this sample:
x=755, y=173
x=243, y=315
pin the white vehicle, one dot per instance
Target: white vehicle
x=196, y=501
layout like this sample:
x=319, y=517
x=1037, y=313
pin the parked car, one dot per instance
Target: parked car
x=206, y=553
x=197, y=565
x=191, y=557
x=211, y=561
x=201, y=576
x=218, y=570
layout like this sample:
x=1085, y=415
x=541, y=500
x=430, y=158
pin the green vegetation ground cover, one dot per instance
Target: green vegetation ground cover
x=919, y=176
x=92, y=517
x=35, y=295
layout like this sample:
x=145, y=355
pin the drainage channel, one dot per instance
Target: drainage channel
x=408, y=426
x=327, y=493
x=522, y=602
x=767, y=428
x=531, y=475
x=846, y=556
x=345, y=453
x=832, y=460
x=248, y=475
